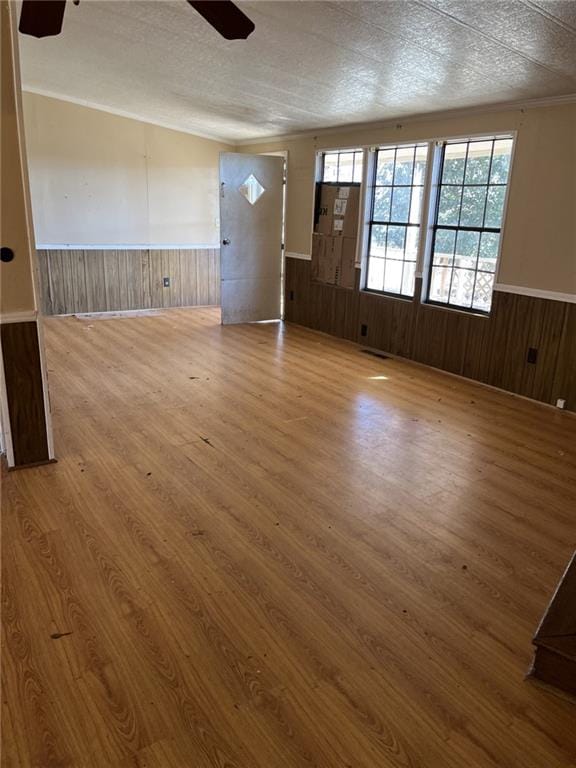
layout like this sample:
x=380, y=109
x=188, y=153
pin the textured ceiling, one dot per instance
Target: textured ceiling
x=308, y=64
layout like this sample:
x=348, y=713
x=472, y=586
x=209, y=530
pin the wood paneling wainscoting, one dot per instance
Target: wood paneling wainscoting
x=490, y=349
x=91, y=280
x=24, y=393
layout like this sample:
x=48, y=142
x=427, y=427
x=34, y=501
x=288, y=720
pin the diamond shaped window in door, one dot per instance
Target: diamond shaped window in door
x=251, y=189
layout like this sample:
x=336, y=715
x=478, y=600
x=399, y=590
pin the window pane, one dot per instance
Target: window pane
x=396, y=200
x=483, y=292
x=385, y=167
x=488, y=251
x=444, y=246
x=408, y=278
x=495, y=207
x=396, y=240
x=400, y=204
x=478, y=165
x=462, y=287
x=330, y=167
x=416, y=205
x=345, y=169
x=420, y=165
x=440, y=284
x=375, y=274
x=501, y=161
x=454, y=159
x=404, y=165
x=358, y=162
x=473, y=201
x=378, y=240
x=393, y=276
x=382, y=199
x=412, y=237
x=466, y=249
x=449, y=209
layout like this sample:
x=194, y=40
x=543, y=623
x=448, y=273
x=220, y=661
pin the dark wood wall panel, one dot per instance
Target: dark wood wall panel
x=489, y=349
x=75, y=281
x=24, y=393
x=565, y=369
x=326, y=308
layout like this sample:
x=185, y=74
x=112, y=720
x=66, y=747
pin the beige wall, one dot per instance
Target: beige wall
x=101, y=179
x=539, y=243
x=16, y=277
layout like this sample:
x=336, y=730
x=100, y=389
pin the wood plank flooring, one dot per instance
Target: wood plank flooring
x=262, y=548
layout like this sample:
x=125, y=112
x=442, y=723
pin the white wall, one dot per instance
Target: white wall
x=100, y=179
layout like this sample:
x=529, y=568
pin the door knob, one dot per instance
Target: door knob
x=225, y=241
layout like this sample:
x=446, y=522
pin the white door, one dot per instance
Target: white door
x=250, y=237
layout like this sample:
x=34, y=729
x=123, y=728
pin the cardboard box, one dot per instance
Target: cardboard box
x=338, y=210
x=347, y=278
x=333, y=260
x=325, y=259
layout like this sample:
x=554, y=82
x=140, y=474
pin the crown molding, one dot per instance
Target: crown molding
x=421, y=117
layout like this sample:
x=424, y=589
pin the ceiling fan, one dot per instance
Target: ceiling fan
x=44, y=18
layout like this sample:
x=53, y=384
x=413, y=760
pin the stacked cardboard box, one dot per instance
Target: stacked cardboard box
x=335, y=235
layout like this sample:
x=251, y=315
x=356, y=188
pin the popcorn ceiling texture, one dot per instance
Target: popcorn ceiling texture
x=307, y=65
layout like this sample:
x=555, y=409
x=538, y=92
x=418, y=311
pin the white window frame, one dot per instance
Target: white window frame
x=434, y=190
x=427, y=222
x=370, y=186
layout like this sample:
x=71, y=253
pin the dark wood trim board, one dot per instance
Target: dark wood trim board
x=24, y=392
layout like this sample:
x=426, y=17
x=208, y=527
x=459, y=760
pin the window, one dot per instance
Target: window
x=394, y=226
x=341, y=167
x=468, y=222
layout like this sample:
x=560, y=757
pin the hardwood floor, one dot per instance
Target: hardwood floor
x=262, y=548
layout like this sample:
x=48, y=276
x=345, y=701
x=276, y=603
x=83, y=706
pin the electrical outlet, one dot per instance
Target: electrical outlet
x=363, y=330
x=532, y=355
x=560, y=403
x=166, y=282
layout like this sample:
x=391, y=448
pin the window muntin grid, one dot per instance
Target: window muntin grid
x=468, y=222
x=396, y=210
x=342, y=166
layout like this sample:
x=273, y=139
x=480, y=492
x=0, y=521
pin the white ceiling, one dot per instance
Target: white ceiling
x=308, y=64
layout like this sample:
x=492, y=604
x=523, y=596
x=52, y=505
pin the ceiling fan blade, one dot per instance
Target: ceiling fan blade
x=225, y=17
x=42, y=18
